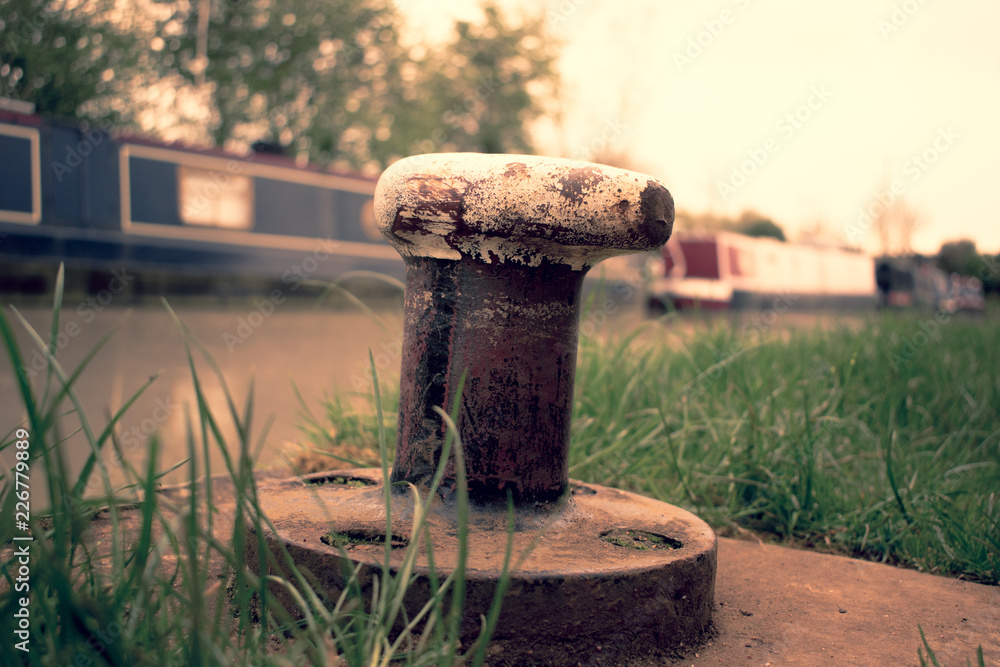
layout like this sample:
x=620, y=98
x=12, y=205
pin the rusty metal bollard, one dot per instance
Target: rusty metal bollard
x=496, y=248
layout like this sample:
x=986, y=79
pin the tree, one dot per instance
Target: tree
x=329, y=79
x=989, y=273
x=326, y=80
x=762, y=228
x=895, y=225
x=67, y=58
x=959, y=257
x=489, y=82
x=319, y=77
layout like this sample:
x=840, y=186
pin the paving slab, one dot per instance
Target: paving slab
x=781, y=606
x=777, y=606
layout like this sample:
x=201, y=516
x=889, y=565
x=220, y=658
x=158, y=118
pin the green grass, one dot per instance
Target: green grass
x=144, y=588
x=861, y=439
x=847, y=439
x=931, y=660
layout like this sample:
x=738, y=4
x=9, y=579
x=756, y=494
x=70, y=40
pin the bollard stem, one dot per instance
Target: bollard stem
x=511, y=330
x=496, y=248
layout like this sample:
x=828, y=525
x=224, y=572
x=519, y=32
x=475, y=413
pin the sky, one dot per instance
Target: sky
x=807, y=113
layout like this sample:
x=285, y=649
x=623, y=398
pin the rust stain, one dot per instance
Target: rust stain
x=437, y=200
x=516, y=170
x=577, y=182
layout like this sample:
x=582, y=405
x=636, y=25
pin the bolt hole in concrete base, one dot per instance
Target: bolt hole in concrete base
x=362, y=538
x=604, y=567
x=321, y=478
x=640, y=539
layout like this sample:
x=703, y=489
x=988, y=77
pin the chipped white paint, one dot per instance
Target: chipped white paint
x=513, y=208
x=490, y=318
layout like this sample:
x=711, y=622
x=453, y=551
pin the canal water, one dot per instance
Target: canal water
x=274, y=347
x=282, y=348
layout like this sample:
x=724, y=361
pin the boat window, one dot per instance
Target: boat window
x=20, y=175
x=702, y=259
x=215, y=198
x=735, y=266
x=368, y=225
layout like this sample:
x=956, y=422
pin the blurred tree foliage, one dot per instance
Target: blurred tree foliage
x=489, y=82
x=64, y=56
x=761, y=227
x=989, y=273
x=327, y=80
x=319, y=77
x=961, y=257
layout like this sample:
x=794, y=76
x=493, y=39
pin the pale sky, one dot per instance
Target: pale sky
x=830, y=103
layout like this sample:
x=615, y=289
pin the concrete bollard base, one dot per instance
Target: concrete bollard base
x=602, y=576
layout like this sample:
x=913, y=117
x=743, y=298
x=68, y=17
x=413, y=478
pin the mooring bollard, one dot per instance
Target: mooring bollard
x=496, y=248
